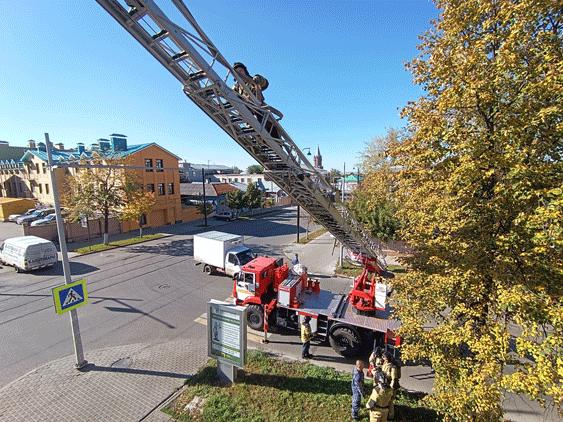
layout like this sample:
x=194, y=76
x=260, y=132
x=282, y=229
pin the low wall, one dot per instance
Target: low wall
x=74, y=232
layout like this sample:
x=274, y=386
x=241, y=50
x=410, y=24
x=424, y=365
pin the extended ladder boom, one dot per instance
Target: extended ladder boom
x=207, y=77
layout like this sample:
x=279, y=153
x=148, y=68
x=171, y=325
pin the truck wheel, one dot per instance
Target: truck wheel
x=207, y=269
x=255, y=317
x=345, y=341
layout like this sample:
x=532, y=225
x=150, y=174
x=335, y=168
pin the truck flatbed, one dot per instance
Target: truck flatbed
x=335, y=307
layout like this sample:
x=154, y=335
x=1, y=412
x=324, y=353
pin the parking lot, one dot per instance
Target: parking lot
x=8, y=230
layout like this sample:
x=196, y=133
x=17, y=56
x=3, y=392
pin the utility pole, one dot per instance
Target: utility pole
x=298, y=221
x=341, y=257
x=78, y=351
x=204, y=199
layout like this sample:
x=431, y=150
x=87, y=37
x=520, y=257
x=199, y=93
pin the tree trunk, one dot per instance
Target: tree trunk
x=88, y=227
x=106, y=227
x=140, y=231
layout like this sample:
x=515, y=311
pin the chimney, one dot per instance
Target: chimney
x=81, y=148
x=31, y=144
x=118, y=142
x=60, y=146
x=104, y=144
x=41, y=146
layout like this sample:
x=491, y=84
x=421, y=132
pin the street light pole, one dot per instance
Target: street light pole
x=204, y=199
x=298, y=221
x=77, y=340
x=341, y=257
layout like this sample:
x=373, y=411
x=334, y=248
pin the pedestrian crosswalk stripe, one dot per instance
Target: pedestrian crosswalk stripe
x=71, y=297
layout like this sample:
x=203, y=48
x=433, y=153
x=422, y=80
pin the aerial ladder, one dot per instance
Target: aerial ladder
x=207, y=79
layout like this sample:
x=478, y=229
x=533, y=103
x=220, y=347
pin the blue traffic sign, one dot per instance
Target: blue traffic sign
x=70, y=296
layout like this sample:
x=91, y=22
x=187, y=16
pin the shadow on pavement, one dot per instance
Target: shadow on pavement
x=174, y=248
x=91, y=367
x=126, y=308
x=76, y=268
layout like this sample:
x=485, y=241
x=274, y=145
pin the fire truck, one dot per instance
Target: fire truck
x=279, y=297
x=225, y=96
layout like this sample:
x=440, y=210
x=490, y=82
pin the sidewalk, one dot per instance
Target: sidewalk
x=125, y=383
x=319, y=255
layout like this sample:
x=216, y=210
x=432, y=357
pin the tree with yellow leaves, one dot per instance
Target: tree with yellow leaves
x=480, y=194
x=137, y=203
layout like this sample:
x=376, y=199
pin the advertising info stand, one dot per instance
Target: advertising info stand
x=226, y=337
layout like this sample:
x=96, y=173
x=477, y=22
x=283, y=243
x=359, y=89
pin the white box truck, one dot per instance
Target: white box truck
x=221, y=252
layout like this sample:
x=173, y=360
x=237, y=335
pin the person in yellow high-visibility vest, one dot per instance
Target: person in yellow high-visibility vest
x=306, y=336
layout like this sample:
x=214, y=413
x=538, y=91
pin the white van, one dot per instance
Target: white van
x=26, y=253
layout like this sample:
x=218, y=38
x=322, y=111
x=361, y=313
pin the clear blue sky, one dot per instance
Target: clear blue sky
x=336, y=71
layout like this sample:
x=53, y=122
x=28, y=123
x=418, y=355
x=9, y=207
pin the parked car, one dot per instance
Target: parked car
x=26, y=253
x=36, y=215
x=226, y=215
x=13, y=217
x=51, y=218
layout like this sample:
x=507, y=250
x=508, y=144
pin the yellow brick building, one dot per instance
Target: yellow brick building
x=158, y=173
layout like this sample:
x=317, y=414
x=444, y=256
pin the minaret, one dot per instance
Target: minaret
x=318, y=159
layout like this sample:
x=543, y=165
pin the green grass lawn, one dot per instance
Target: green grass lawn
x=98, y=247
x=352, y=271
x=312, y=235
x=271, y=389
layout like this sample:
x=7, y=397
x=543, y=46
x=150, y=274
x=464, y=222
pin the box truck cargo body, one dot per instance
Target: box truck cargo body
x=222, y=252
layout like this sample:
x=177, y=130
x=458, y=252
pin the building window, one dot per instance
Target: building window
x=159, y=165
x=150, y=187
x=46, y=188
x=40, y=188
x=161, y=189
x=170, y=188
x=44, y=168
x=37, y=167
x=148, y=164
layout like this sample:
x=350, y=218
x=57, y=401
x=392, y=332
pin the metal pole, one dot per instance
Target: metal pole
x=78, y=351
x=204, y=200
x=298, y=221
x=341, y=255
x=358, y=176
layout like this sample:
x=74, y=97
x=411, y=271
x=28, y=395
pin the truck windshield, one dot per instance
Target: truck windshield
x=245, y=257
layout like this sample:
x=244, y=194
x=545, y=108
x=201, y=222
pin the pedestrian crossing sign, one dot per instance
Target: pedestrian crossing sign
x=70, y=296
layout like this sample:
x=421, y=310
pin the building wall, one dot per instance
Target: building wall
x=242, y=178
x=14, y=206
x=167, y=209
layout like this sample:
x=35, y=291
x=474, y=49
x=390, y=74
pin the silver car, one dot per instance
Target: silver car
x=13, y=217
x=43, y=221
x=36, y=215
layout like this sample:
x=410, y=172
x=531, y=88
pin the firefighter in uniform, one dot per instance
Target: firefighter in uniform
x=392, y=373
x=306, y=336
x=380, y=398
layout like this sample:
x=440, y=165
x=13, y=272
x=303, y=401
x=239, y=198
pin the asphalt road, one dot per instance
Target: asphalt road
x=151, y=292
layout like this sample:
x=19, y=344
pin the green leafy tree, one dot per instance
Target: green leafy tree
x=373, y=202
x=204, y=208
x=255, y=169
x=236, y=200
x=481, y=203
x=253, y=196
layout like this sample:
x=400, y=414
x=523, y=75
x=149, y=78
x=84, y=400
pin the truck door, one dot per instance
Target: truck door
x=245, y=285
x=232, y=265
